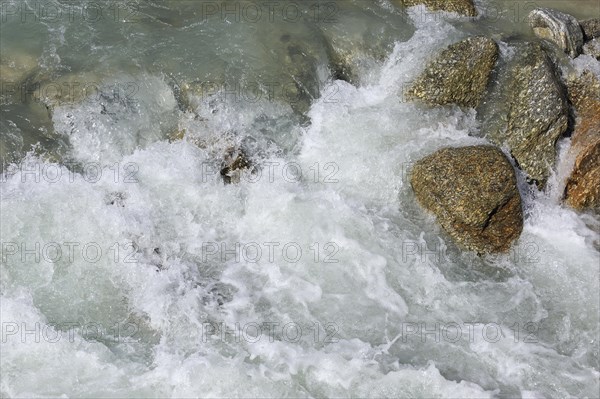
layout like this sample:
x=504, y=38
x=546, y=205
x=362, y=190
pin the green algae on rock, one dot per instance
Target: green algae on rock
x=459, y=75
x=473, y=193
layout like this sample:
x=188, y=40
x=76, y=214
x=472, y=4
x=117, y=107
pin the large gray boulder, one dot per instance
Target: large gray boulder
x=473, y=193
x=459, y=75
x=537, y=113
x=560, y=28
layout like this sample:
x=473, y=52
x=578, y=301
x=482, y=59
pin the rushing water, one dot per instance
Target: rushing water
x=130, y=270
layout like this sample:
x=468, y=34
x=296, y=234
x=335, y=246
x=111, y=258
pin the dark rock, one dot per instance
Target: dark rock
x=560, y=28
x=537, y=113
x=473, y=193
x=590, y=28
x=459, y=75
x=235, y=161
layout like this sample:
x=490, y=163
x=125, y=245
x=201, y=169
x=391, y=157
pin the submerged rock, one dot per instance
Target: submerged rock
x=301, y=66
x=537, y=113
x=463, y=7
x=459, y=75
x=68, y=89
x=590, y=28
x=473, y=193
x=560, y=28
x=347, y=61
x=582, y=190
x=16, y=66
x=27, y=127
x=359, y=39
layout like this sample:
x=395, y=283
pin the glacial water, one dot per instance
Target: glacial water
x=129, y=269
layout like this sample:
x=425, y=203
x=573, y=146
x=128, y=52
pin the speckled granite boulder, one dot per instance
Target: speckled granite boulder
x=582, y=189
x=560, y=28
x=473, y=193
x=592, y=48
x=590, y=28
x=538, y=113
x=463, y=7
x=459, y=75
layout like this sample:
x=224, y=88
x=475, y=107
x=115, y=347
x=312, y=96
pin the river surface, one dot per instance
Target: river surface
x=129, y=269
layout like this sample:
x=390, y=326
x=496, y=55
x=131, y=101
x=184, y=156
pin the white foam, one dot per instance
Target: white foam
x=364, y=144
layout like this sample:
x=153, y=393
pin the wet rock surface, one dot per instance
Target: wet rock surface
x=590, y=28
x=347, y=61
x=473, y=193
x=537, y=112
x=592, y=48
x=459, y=75
x=463, y=7
x=235, y=162
x=582, y=189
x=560, y=28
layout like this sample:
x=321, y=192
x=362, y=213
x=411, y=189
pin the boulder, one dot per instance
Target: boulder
x=463, y=7
x=459, y=75
x=560, y=28
x=473, y=193
x=582, y=190
x=537, y=113
x=590, y=28
x=592, y=48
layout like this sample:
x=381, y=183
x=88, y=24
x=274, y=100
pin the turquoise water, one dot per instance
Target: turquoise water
x=130, y=270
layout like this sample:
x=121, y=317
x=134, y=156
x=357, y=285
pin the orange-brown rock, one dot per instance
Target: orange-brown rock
x=473, y=193
x=582, y=190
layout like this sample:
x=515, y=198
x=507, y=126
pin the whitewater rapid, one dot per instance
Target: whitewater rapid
x=138, y=273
